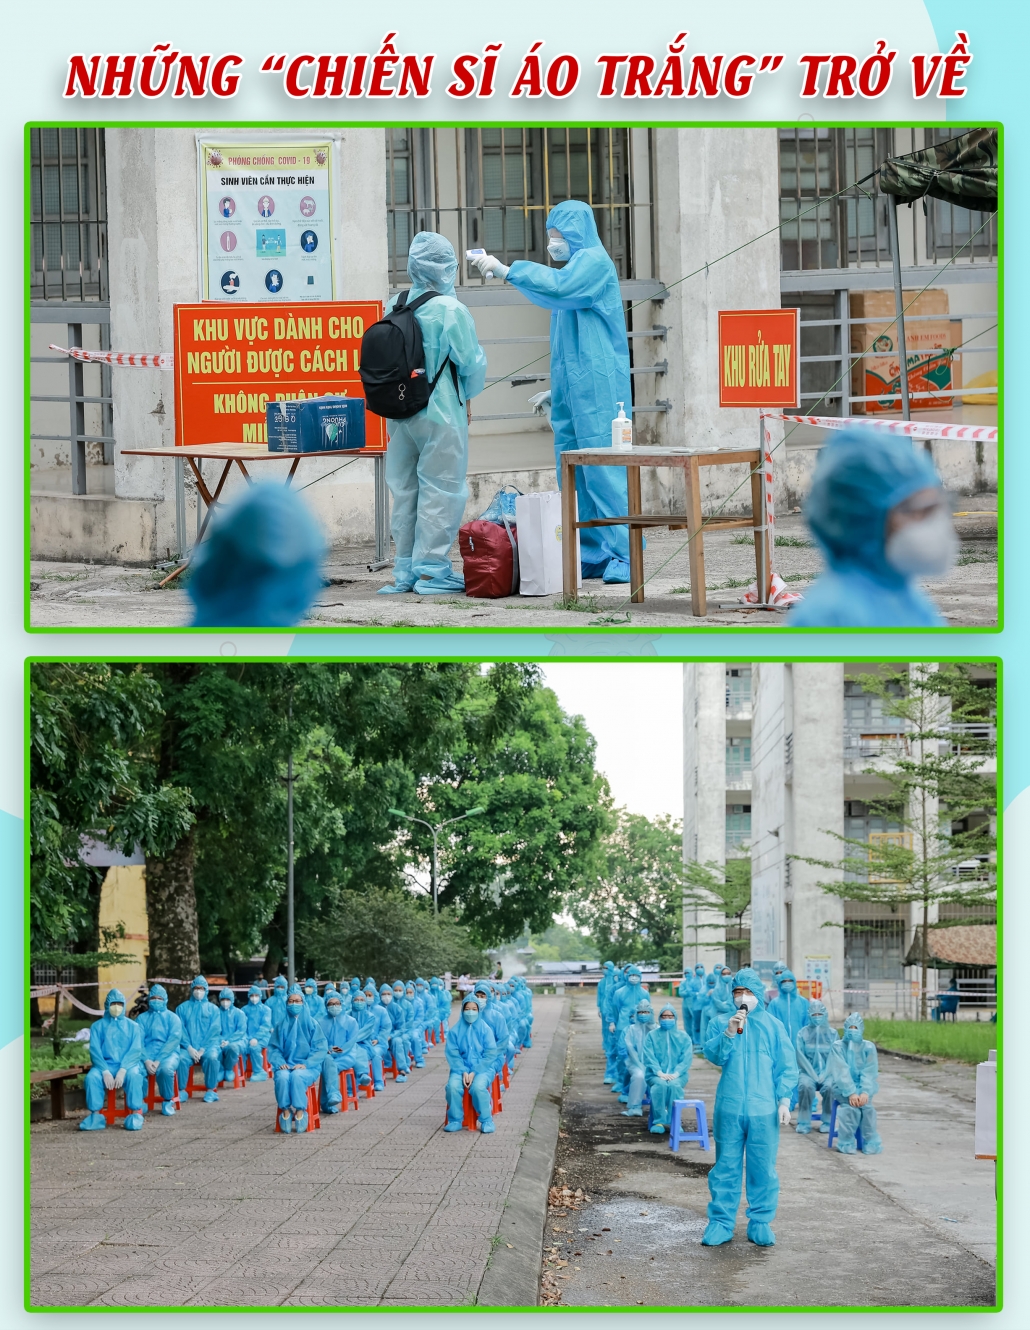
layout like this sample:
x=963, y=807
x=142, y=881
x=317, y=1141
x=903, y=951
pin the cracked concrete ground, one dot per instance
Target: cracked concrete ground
x=210, y=1208
x=913, y=1226
x=65, y=595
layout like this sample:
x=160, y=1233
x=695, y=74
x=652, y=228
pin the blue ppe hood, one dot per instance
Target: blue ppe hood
x=432, y=264
x=575, y=220
x=752, y=981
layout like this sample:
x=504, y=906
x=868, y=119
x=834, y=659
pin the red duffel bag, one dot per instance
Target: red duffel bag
x=490, y=558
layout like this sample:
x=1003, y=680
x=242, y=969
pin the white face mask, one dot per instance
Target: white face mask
x=386, y=999
x=924, y=549
x=199, y=995
x=749, y=1001
x=115, y=1009
x=254, y=1000
x=558, y=248
x=226, y=1005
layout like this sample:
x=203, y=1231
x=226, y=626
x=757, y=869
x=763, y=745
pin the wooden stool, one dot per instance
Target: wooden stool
x=314, y=1118
x=152, y=1098
x=348, y=1078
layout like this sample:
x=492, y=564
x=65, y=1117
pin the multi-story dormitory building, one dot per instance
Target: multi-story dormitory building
x=115, y=244
x=776, y=760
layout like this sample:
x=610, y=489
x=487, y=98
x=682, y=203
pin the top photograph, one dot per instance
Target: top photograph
x=542, y=378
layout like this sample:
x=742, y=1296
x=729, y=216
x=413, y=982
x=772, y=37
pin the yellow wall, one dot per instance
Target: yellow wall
x=123, y=900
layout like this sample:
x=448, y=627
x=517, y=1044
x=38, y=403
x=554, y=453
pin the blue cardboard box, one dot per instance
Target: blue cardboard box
x=316, y=424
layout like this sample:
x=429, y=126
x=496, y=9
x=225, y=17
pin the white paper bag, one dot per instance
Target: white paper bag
x=538, y=518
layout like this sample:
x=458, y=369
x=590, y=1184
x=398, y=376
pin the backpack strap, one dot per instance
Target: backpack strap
x=417, y=304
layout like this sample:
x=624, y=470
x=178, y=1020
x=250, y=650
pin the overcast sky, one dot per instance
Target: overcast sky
x=634, y=711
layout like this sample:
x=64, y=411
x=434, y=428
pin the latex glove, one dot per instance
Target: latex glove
x=151, y=1067
x=253, y=1043
x=489, y=266
x=784, y=1112
x=541, y=403
x=611, y=1028
x=736, y=1023
x=119, y=1080
x=467, y=1078
x=225, y=1043
x=196, y=1054
x=108, y=1081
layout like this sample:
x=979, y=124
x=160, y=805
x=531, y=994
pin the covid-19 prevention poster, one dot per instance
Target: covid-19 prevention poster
x=514, y=780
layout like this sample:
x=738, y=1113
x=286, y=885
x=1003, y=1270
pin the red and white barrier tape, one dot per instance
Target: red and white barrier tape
x=49, y=990
x=915, y=429
x=135, y=359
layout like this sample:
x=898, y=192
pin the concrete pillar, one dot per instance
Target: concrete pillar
x=361, y=238
x=768, y=815
x=716, y=189
x=816, y=783
x=704, y=801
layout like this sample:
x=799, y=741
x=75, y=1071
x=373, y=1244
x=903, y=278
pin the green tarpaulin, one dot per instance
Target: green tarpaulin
x=964, y=170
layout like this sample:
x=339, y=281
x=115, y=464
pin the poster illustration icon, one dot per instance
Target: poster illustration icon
x=271, y=242
x=308, y=242
x=227, y=206
x=266, y=205
x=227, y=240
x=307, y=206
x=274, y=280
x=230, y=283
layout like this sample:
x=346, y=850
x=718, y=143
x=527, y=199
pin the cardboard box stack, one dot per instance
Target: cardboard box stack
x=928, y=344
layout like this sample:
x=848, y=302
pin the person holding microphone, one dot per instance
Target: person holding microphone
x=752, y=1102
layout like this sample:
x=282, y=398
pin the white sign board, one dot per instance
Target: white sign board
x=265, y=222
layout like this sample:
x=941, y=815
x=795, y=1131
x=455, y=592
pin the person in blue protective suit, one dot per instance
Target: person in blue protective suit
x=706, y=999
x=789, y=1007
x=161, y=1032
x=668, y=1054
x=427, y=456
x=261, y=564
x=589, y=369
x=624, y=1005
x=406, y=1009
x=313, y=1000
x=277, y=1002
x=636, y=1078
x=368, y=1037
x=345, y=1052
x=471, y=1056
x=201, y=1037
x=882, y=519
x=258, y=1017
x=492, y=1012
x=812, y=1046
x=700, y=989
x=116, y=1052
x=417, y=1031
x=609, y=1026
x=394, y=1031
x=603, y=986
x=297, y=1053
x=853, y=1072
x=354, y=984
x=232, y=1033
x=752, y=1101
x=686, y=991
x=774, y=992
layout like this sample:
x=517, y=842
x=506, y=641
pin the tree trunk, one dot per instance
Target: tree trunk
x=272, y=960
x=172, y=913
x=924, y=952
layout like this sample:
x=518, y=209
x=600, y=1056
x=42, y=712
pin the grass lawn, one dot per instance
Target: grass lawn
x=962, y=1041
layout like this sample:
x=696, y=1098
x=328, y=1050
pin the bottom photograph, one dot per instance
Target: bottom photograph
x=457, y=985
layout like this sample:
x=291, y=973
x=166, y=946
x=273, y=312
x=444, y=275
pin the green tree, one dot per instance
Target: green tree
x=725, y=888
x=939, y=796
x=531, y=767
x=560, y=943
x=634, y=906
x=389, y=934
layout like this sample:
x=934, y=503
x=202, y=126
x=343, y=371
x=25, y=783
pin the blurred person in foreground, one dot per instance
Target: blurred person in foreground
x=261, y=566
x=882, y=519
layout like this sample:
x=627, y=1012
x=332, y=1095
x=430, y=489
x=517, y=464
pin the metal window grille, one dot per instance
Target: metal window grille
x=68, y=220
x=873, y=951
x=493, y=188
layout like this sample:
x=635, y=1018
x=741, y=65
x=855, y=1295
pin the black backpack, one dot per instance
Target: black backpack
x=393, y=363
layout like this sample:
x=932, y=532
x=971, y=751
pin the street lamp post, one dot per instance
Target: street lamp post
x=435, y=832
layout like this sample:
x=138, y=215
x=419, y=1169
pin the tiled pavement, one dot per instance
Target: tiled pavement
x=212, y=1209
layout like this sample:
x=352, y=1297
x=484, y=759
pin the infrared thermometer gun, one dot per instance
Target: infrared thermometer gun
x=471, y=254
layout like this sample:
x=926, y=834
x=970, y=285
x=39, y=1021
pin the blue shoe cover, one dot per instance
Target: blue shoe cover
x=623, y=1098
x=134, y=1122
x=760, y=1234
x=486, y=1128
x=210, y=1097
x=848, y=1148
x=716, y=1234
x=364, y=1080
x=824, y=1128
x=300, y=1121
x=379, y=1085
x=333, y=1108
x=607, y=1080
x=403, y=579
x=401, y=1078
x=592, y=571
x=873, y=1146
x=259, y=1076
x=168, y=1109
x=657, y=1129
x=453, y=1126
x=285, y=1122
x=803, y=1128
x=395, y=588
x=93, y=1122
x=439, y=586
x=632, y=1112
x=617, y=571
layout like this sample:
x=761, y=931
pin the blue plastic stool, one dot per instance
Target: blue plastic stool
x=833, y=1128
x=676, y=1132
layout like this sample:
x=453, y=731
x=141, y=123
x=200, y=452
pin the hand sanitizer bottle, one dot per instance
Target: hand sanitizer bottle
x=622, y=432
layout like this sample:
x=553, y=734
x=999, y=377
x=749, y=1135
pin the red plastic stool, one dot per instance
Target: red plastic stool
x=350, y=1096
x=443, y=1031
x=370, y=1091
x=109, y=1111
x=432, y=1036
x=314, y=1118
x=390, y=1068
x=469, y=1119
x=505, y=1078
x=265, y=1062
x=239, y=1078
x=152, y=1098
x=495, y=1095
x=192, y=1089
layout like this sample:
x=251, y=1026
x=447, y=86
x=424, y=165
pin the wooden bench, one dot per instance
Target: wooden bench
x=57, y=1078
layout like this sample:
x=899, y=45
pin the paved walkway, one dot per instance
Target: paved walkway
x=914, y=1226
x=212, y=1209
